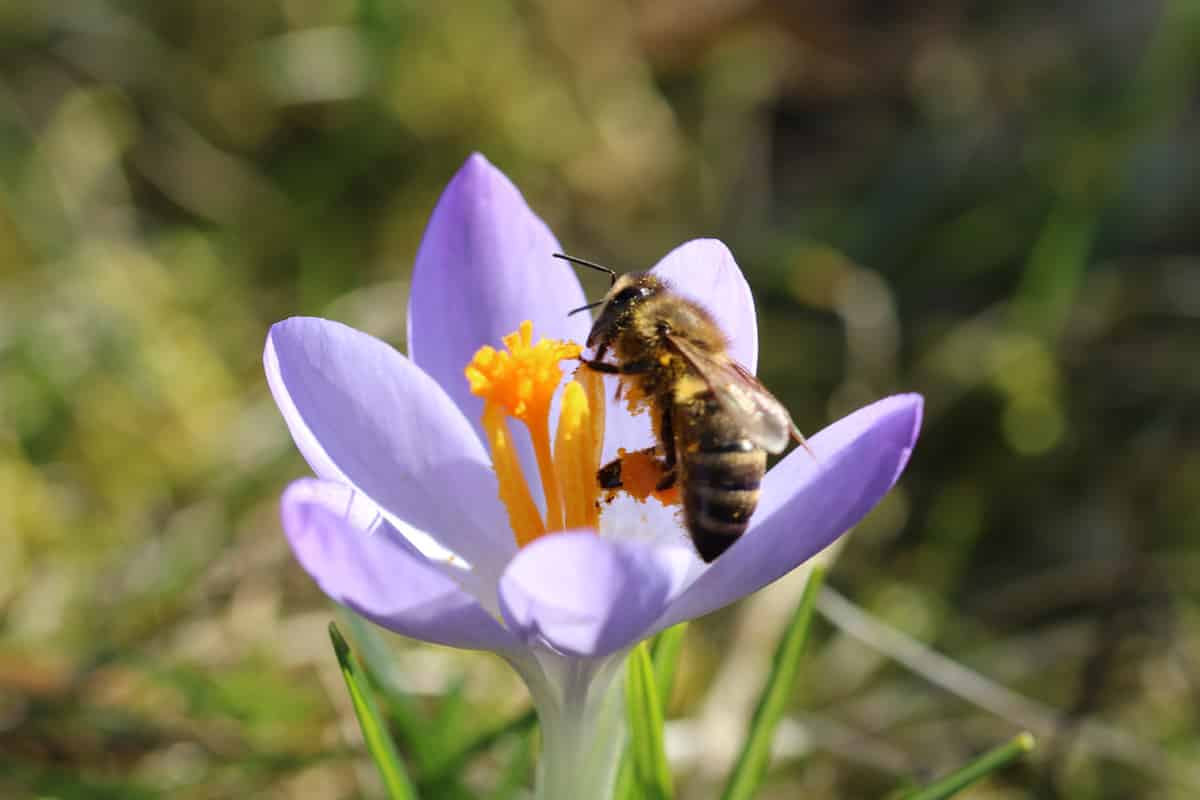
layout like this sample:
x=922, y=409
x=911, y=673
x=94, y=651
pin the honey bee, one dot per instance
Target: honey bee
x=713, y=421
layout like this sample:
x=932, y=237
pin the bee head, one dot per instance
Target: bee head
x=620, y=304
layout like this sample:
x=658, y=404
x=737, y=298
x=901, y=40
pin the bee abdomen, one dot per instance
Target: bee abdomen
x=720, y=494
x=733, y=470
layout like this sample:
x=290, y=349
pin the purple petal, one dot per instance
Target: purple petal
x=587, y=596
x=485, y=265
x=359, y=560
x=702, y=270
x=806, y=504
x=364, y=415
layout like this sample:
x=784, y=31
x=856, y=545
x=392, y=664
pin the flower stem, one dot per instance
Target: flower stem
x=580, y=706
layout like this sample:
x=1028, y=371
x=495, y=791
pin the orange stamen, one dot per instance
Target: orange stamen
x=575, y=456
x=523, y=513
x=520, y=382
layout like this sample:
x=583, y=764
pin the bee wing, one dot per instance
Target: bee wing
x=763, y=418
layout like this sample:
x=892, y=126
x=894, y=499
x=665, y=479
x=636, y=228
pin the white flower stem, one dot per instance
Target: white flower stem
x=581, y=711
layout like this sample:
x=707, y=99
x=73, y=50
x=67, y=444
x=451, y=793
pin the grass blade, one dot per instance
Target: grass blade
x=666, y=649
x=651, y=772
x=457, y=761
x=374, y=730
x=395, y=705
x=987, y=763
x=626, y=782
x=752, y=762
x=517, y=773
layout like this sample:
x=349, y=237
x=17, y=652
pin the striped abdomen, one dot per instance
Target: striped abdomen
x=720, y=471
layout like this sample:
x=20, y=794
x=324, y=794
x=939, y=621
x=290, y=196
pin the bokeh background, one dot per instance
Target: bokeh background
x=994, y=204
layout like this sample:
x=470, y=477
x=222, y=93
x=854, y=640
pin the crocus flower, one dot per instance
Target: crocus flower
x=455, y=499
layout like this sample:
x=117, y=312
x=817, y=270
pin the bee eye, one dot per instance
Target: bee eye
x=629, y=294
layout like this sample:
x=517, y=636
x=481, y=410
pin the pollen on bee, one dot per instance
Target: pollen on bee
x=641, y=474
x=636, y=400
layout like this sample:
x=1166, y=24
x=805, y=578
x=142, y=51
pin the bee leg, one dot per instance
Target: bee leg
x=601, y=366
x=609, y=476
x=615, y=369
x=598, y=363
x=667, y=434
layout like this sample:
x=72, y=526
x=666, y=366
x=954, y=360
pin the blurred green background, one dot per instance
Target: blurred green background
x=997, y=205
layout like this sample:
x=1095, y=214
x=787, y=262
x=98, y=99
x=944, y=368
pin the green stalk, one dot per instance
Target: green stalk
x=986, y=764
x=751, y=765
x=374, y=729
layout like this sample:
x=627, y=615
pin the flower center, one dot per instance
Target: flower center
x=520, y=382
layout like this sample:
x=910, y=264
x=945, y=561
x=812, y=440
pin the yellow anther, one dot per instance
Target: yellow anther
x=575, y=458
x=593, y=386
x=520, y=382
x=524, y=377
x=523, y=514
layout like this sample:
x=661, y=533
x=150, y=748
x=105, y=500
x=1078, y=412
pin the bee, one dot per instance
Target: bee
x=714, y=423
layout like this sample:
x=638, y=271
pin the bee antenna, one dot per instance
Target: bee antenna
x=612, y=274
x=584, y=308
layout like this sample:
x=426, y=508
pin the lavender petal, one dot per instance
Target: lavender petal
x=362, y=562
x=485, y=265
x=587, y=596
x=806, y=504
x=364, y=415
x=704, y=271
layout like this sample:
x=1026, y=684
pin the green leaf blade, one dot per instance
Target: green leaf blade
x=667, y=647
x=981, y=767
x=752, y=762
x=665, y=651
x=652, y=774
x=374, y=729
x=456, y=761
